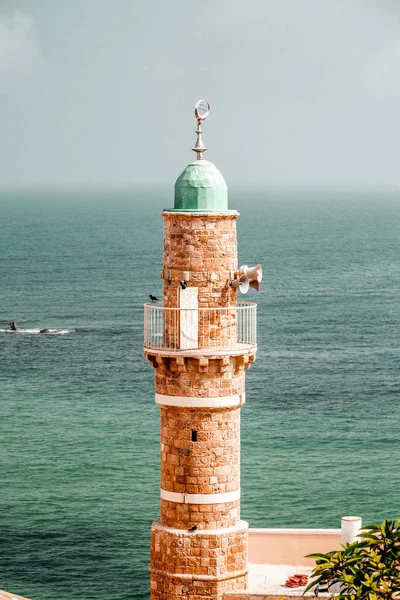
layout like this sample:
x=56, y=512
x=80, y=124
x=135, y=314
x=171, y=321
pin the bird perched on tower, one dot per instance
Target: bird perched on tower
x=153, y=299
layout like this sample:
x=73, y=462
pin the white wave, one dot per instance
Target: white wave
x=34, y=331
x=60, y=331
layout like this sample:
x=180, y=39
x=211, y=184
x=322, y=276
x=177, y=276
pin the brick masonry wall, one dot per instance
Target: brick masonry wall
x=200, y=244
x=204, y=247
x=164, y=587
x=202, y=565
x=205, y=516
x=210, y=465
x=222, y=376
x=210, y=561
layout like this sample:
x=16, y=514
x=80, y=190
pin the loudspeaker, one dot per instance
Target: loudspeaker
x=253, y=273
x=255, y=285
x=242, y=283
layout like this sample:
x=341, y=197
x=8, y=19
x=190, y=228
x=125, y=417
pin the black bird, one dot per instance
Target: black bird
x=193, y=528
x=153, y=299
x=183, y=285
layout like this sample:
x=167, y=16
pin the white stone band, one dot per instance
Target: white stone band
x=200, y=498
x=197, y=402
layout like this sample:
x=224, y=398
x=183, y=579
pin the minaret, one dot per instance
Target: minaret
x=200, y=341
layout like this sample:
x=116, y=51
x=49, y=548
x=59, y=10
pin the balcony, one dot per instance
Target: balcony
x=199, y=330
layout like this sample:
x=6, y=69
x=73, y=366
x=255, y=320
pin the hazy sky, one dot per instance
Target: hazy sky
x=101, y=92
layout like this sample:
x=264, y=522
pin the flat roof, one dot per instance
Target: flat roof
x=7, y=596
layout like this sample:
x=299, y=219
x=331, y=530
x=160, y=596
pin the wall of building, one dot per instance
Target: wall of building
x=200, y=245
x=290, y=546
x=199, y=546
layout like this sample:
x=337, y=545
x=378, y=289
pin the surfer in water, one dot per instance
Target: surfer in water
x=14, y=327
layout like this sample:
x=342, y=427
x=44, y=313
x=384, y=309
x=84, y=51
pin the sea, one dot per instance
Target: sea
x=79, y=428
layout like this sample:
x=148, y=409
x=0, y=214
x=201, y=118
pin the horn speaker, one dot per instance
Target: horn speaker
x=255, y=285
x=242, y=284
x=253, y=273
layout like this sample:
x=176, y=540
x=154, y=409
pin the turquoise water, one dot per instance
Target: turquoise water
x=78, y=423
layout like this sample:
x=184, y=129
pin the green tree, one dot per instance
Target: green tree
x=368, y=569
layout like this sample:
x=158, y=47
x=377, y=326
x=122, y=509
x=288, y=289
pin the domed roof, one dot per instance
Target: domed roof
x=201, y=187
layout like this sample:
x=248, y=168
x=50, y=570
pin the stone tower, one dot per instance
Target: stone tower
x=200, y=341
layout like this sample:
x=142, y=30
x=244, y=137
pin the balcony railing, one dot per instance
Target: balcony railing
x=208, y=329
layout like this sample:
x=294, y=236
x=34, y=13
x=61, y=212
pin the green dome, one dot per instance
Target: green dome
x=202, y=188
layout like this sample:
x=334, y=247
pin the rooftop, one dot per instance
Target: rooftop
x=8, y=596
x=277, y=554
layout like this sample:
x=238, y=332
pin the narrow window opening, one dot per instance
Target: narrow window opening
x=194, y=435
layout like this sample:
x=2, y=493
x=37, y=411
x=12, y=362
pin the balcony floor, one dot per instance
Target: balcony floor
x=236, y=349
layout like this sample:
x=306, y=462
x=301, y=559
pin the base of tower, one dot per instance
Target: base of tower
x=167, y=587
x=204, y=563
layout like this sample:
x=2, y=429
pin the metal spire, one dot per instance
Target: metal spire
x=201, y=112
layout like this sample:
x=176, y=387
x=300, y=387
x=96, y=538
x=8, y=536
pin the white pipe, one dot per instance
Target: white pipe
x=351, y=527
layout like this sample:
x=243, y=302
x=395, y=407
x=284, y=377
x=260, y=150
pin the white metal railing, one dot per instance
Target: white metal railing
x=178, y=329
